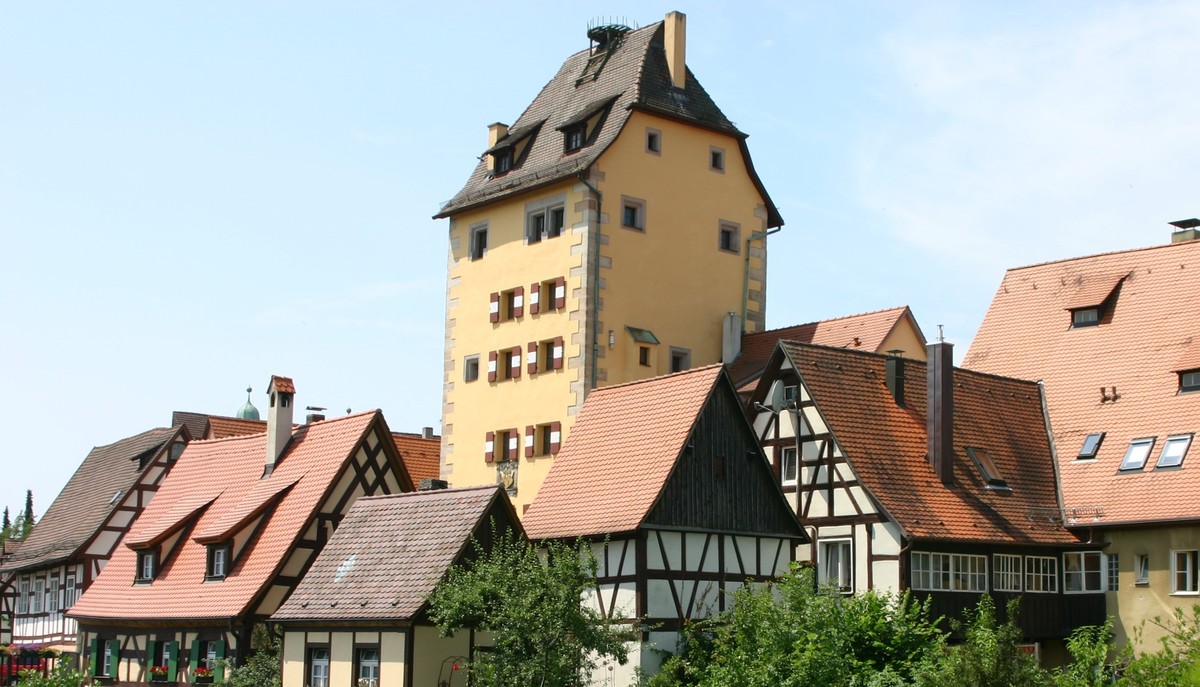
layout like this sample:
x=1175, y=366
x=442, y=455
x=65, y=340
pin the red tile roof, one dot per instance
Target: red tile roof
x=283, y=385
x=229, y=470
x=866, y=331
x=1150, y=330
x=390, y=552
x=633, y=434
x=223, y=427
x=886, y=445
x=421, y=456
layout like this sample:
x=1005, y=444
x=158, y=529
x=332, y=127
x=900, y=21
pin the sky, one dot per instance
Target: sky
x=196, y=196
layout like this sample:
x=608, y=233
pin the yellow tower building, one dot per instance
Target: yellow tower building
x=616, y=231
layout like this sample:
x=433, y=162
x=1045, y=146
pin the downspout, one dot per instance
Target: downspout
x=595, y=319
x=746, y=270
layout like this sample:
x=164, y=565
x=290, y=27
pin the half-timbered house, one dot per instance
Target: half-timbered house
x=921, y=476
x=666, y=479
x=80, y=531
x=360, y=615
x=233, y=529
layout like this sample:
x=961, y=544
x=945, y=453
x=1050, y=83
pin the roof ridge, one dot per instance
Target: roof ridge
x=957, y=369
x=831, y=319
x=681, y=373
x=132, y=436
x=295, y=427
x=430, y=492
x=1100, y=255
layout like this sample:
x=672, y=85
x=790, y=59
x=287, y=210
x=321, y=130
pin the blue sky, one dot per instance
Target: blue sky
x=195, y=196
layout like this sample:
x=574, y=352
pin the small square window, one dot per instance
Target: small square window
x=653, y=141
x=1091, y=445
x=681, y=359
x=716, y=159
x=502, y=161
x=470, y=368
x=1141, y=570
x=1189, y=380
x=1081, y=572
x=573, y=138
x=987, y=468
x=1137, y=453
x=644, y=356
x=1173, y=451
x=1085, y=317
x=789, y=394
x=788, y=467
x=727, y=238
x=479, y=236
x=633, y=213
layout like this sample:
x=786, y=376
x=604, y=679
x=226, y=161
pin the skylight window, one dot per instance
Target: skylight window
x=987, y=468
x=1137, y=453
x=1173, y=451
x=1091, y=445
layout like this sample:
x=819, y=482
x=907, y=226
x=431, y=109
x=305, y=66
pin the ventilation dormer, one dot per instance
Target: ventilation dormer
x=1093, y=298
x=508, y=148
x=581, y=129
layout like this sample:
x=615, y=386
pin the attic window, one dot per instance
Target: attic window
x=642, y=335
x=1090, y=446
x=574, y=137
x=503, y=160
x=1174, y=450
x=1085, y=317
x=1092, y=298
x=987, y=468
x=1137, y=453
x=1189, y=380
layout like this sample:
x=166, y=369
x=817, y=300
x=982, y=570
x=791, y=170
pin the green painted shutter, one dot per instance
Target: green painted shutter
x=172, y=661
x=219, y=669
x=151, y=656
x=115, y=666
x=94, y=669
x=194, y=658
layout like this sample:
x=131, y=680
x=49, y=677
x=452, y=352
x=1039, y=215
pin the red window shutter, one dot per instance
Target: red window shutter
x=558, y=353
x=531, y=359
x=518, y=309
x=494, y=307
x=529, y=438
x=515, y=370
x=555, y=436
x=492, y=366
x=560, y=293
x=513, y=440
x=489, y=447
x=535, y=295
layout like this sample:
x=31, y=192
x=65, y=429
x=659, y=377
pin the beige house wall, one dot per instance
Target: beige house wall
x=1137, y=604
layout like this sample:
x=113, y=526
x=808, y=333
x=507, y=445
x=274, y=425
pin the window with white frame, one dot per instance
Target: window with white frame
x=1091, y=445
x=1041, y=574
x=71, y=592
x=1137, y=453
x=39, y=591
x=788, y=468
x=106, y=666
x=1141, y=569
x=1183, y=572
x=837, y=564
x=23, y=597
x=318, y=667
x=368, y=668
x=1081, y=572
x=52, y=595
x=949, y=572
x=1173, y=451
x=1008, y=572
x=1113, y=570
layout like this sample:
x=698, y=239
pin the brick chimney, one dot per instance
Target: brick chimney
x=282, y=393
x=675, y=43
x=939, y=416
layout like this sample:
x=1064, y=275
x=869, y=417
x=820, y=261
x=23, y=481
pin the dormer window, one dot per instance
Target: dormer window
x=147, y=565
x=1091, y=445
x=218, y=561
x=1092, y=300
x=1085, y=317
x=503, y=160
x=573, y=138
x=987, y=468
x=1189, y=380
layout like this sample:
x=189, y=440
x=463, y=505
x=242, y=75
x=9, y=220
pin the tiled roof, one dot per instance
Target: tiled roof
x=196, y=423
x=886, y=446
x=1152, y=327
x=389, y=553
x=865, y=332
x=223, y=427
x=637, y=77
x=283, y=385
x=621, y=450
x=86, y=501
x=229, y=470
x=421, y=456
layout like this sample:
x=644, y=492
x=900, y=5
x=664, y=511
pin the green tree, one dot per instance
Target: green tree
x=262, y=666
x=27, y=523
x=63, y=675
x=1176, y=663
x=989, y=656
x=5, y=527
x=544, y=636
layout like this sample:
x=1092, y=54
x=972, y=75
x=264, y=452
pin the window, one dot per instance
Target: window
x=39, y=591
x=654, y=141
x=69, y=597
x=633, y=213
x=836, y=564
x=1141, y=569
x=1008, y=572
x=479, y=241
x=1081, y=572
x=1189, y=380
x=509, y=358
x=545, y=223
x=506, y=444
x=681, y=359
x=716, y=159
x=788, y=467
x=545, y=355
x=1173, y=451
x=146, y=564
x=318, y=667
x=368, y=668
x=573, y=138
x=52, y=595
x=218, y=561
x=470, y=368
x=987, y=468
x=1113, y=572
x=1137, y=453
x=106, y=665
x=502, y=161
x=1041, y=574
x=727, y=237
x=949, y=572
x=23, y=597
x=644, y=356
x=211, y=655
x=1091, y=445
x=1085, y=317
x=789, y=394
x=1183, y=572
x=512, y=304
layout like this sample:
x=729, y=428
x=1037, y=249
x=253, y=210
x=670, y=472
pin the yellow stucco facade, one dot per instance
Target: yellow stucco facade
x=1152, y=583
x=664, y=241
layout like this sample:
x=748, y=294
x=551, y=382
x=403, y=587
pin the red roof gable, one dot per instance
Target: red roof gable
x=422, y=457
x=1147, y=335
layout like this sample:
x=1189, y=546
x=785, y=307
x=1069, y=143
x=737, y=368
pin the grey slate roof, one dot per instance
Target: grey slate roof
x=636, y=75
x=197, y=423
x=390, y=552
x=84, y=504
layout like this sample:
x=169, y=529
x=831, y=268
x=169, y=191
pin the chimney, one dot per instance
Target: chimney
x=282, y=395
x=1185, y=230
x=731, y=337
x=939, y=417
x=895, y=375
x=426, y=432
x=675, y=42
x=496, y=131
x=432, y=485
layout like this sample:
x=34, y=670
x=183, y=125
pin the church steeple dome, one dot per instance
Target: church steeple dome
x=248, y=411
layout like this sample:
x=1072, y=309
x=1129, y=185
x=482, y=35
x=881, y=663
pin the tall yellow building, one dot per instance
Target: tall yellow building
x=616, y=231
